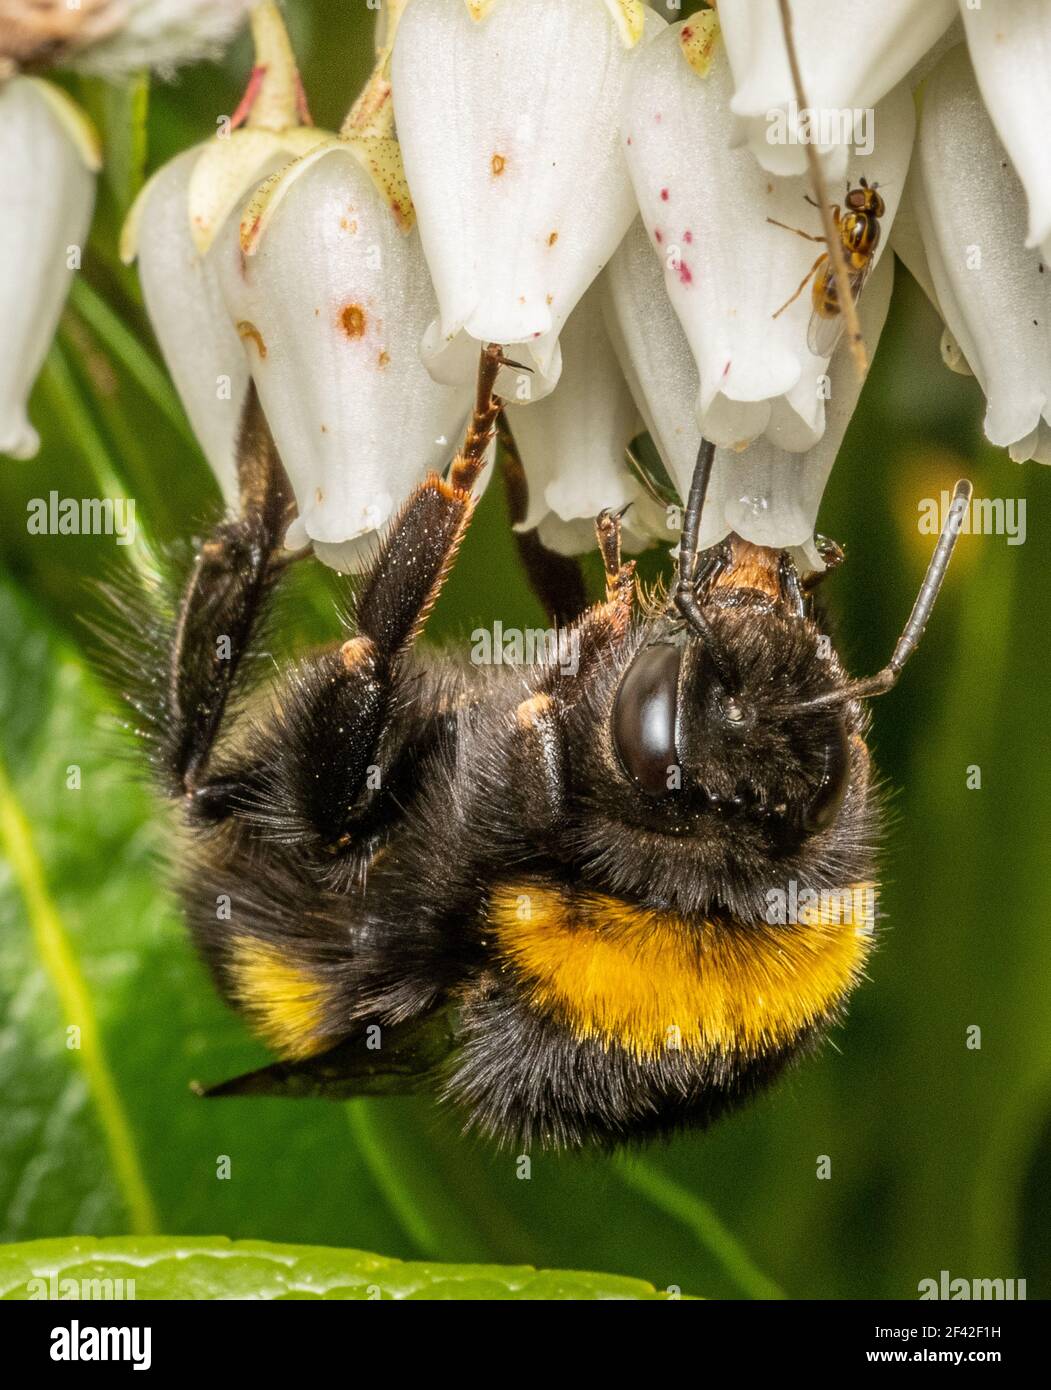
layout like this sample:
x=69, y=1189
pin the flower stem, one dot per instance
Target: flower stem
x=697, y=1216
x=845, y=294
x=274, y=97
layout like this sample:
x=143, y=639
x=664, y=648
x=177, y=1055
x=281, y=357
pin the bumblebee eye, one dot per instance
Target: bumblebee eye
x=824, y=808
x=644, y=716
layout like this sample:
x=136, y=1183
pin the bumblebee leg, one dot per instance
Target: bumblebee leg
x=556, y=580
x=538, y=767
x=349, y=727
x=833, y=556
x=618, y=575
x=791, y=586
x=219, y=613
x=802, y=284
x=399, y=589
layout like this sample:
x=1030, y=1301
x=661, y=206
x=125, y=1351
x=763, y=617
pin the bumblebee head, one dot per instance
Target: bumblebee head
x=706, y=726
x=733, y=734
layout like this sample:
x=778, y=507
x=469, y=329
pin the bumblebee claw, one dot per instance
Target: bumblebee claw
x=510, y=362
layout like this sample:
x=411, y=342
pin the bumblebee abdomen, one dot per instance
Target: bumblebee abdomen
x=634, y=1019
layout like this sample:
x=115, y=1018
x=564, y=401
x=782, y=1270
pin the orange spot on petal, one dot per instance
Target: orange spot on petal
x=497, y=164
x=354, y=321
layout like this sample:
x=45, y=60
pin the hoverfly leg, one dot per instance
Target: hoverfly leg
x=807, y=236
x=802, y=284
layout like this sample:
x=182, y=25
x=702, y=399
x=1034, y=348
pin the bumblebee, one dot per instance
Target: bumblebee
x=859, y=231
x=543, y=892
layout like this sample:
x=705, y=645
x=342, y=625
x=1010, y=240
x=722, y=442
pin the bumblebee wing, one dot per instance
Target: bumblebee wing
x=826, y=322
x=376, y=1061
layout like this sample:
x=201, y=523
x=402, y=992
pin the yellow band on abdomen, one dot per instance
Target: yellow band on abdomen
x=651, y=982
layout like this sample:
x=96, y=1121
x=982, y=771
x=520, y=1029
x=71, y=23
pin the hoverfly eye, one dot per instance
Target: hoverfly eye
x=824, y=808
x=644, y=716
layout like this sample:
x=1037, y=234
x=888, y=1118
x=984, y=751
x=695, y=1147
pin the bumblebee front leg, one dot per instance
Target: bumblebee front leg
x=402, y=583
x=219, y=613
x=606, y=624
x=338, y=742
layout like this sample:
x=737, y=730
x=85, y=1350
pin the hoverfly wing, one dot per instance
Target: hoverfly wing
x=827, y=321
x=824, y=333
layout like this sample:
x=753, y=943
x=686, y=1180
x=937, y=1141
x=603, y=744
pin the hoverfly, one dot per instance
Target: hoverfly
x=858, y=224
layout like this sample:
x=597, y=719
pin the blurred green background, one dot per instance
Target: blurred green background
x=940, y=1155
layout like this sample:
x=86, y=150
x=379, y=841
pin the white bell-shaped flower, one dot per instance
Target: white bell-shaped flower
x=767, y=494
x=172, y=228
x=993, y=292
x=573, y=444
x=507, y=112
x=49, y=156
x=731, y=274
x=1010, y=47
x=331, y=304
x=653, y=353
x=851, y=54
x=770, y=495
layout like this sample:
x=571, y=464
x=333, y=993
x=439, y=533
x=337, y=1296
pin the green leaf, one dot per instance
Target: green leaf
x=167, y=1268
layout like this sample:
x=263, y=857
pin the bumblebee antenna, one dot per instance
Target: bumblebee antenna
x=909, y=640
x=685, y=597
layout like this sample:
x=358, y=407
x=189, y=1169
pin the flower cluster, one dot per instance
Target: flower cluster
x=625, y=205
x=50, y=154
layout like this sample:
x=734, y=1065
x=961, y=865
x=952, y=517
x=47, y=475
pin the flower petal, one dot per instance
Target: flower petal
x=1010, y=48
x=771, y=496
x=851, y=53
x=186, y=307
x=994, y=294
x=729, y=273
x=331, y=307
x=48, y=186
x=508, y=126
x=767, y=494
x=573, y=443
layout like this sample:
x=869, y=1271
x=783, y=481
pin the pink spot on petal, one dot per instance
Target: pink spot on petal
x=726, y=369
x=685, y=273
x=688, y=238
x=664, y=195
x=658, y=235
